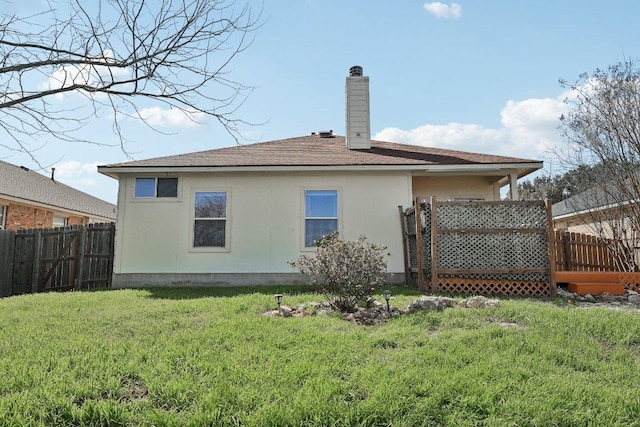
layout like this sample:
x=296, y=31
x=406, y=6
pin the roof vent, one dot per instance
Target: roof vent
x=355, y=71
x=24, y=168
x=326, y=133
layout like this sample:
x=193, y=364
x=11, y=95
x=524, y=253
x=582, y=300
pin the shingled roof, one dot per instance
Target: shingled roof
x=21, y=184
x=313, y=150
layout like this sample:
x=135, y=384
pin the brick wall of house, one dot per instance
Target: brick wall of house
x=75, y=220
x=23, y=216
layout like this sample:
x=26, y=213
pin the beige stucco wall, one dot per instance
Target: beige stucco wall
x=574, y=226
x=266, y=214
x=586, y=224
x=456, y=187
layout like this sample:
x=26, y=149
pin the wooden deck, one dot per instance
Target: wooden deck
x=598, y=282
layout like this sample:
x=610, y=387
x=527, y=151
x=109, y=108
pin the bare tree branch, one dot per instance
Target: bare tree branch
x=603, y=128
x=120, y=56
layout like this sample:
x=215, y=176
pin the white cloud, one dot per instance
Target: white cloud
x=452, y=136
x=73, y=173
x=529, y=130
x=444, y=11
x=172, y=118
x=91, y=75
x=85, y=177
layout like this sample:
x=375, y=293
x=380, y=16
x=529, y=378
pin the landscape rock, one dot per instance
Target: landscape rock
x=479, y=302
x=634, y=298
x=430, y=303
x=629, y=301
x=376, y=312
x=562, y=292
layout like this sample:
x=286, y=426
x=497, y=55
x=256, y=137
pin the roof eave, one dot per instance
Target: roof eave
x=522, y=169
x=56, y=208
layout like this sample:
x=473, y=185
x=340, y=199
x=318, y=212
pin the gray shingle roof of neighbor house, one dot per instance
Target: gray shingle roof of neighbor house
x=22, y=184
x=593, y=199
x=316, y=151
x=569, y=206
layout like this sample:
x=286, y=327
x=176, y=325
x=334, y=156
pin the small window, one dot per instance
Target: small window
x=3, y=215
x=156, y=187
x=320, y=215
x=59, y=221
x=210, y=219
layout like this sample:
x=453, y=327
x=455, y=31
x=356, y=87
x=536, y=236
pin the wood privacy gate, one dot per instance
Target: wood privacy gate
x=57, y=259
x=503, y=247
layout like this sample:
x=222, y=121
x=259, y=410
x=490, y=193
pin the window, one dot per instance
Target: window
x=156, y=187
x=320, y=214
x=59, y=221
x=3, y=215
x=210, y=219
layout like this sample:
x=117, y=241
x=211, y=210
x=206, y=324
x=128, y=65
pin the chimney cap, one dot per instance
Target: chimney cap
x=355, y=71
x=326, y=134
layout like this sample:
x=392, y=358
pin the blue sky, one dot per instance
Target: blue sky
x=477, y=75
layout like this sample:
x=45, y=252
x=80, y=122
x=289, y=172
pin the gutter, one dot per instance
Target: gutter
x=450, y=169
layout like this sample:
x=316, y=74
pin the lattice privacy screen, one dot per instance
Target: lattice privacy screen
x=483, y=247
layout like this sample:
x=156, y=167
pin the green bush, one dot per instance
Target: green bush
x=345, y=272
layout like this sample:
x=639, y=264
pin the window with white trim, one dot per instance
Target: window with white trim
x=210, y=219
x=320, y=214
x=3, y=216
x=59, y=221
x=155, y=187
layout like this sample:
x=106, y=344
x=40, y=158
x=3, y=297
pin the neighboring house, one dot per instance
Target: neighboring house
x=573, y=215
x=237, y=215
x=31, y=200
x=594, y=211
x=603, y=211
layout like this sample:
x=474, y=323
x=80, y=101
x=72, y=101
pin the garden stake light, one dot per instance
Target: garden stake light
x=278, y=298
x=387, y=295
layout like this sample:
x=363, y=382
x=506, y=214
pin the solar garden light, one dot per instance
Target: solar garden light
x=387, y=295
x=278, y=298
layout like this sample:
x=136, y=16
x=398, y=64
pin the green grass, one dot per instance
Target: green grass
x=195, y=357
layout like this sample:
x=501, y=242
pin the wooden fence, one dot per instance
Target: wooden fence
x=57, y=259
x=583, y=252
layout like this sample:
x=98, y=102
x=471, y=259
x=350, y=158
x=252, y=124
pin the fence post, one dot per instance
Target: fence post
x=418, y=212
x=82, y=235
x=405, y=249
x=568, y=256
x=435, y=283
x=552, y=249
x=37, y=249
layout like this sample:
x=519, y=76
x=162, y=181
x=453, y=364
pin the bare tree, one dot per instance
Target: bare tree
x=118, y=57
x=603, y=128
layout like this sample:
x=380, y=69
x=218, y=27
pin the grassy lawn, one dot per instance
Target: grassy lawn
x=180, y=357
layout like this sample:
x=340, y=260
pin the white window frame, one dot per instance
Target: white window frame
x=155, y=197
x=227, y=219
x=338, y=218
x=3, y=216
x=65, y=221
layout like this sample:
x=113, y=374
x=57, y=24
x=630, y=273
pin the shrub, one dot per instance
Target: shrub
x=345, y=272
